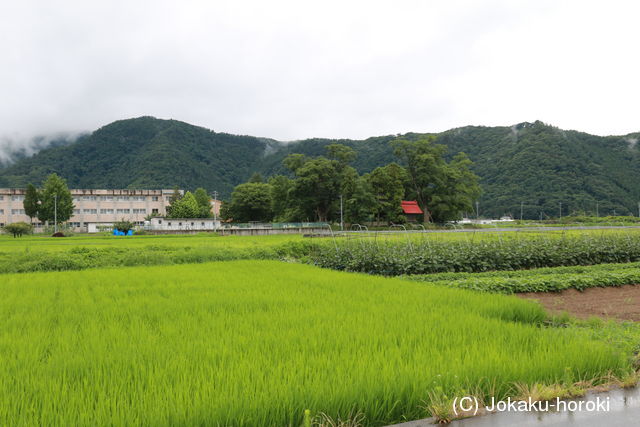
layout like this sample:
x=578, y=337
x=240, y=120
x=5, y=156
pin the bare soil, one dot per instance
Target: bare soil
x=621, y=303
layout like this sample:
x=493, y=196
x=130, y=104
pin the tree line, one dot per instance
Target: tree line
x=318, y=189
x=317, y=186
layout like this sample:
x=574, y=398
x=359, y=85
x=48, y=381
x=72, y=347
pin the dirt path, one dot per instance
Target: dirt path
x=611, y=302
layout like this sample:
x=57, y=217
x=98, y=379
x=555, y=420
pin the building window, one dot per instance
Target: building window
x=17, y=198
x=160, y=222
x=1, y=211
x=105, y=198
x=153, y=198
x=202, y=223
x=89, y=198
x=139, y=211
x=125, y=198
x=123, y=211
x=76, y=211
x=106, y=211
x=179, y=224
x=90, y=211
x=154, y=211
x=169, y=224
x=1, y=197
x=17, y=211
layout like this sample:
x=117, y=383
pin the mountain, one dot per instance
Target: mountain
x=539, y=166
x=146, y=153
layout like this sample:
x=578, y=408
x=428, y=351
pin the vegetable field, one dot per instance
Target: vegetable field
x=421, y=255
x=255, y=343
x=539, y=279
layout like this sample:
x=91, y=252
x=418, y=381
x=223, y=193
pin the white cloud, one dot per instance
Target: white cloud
x=291, y=69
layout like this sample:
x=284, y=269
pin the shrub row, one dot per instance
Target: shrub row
x=392, y=258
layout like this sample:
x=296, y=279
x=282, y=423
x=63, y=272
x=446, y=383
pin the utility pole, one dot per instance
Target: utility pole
x=341, y=217
x=477, y=209
x=215, y=197
x=521, y=209
x=597, y=211
x=55, y=213
x=560, y=210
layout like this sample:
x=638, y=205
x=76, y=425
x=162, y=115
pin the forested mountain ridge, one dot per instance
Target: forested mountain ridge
x=145, y=153
x=544, y=168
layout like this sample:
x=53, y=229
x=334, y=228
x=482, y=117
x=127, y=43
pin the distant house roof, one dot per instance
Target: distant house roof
x=411, y=207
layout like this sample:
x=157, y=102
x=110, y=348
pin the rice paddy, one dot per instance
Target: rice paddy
x=255, y=343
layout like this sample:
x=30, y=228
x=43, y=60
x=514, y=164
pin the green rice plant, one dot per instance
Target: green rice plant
x=256, y=343
x=155, y=252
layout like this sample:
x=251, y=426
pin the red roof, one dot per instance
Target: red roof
x=411, y=207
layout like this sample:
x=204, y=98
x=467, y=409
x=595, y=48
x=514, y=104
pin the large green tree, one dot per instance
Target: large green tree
x=280, y=187
x=316, y=188
x=388, y=185
x=55, y=197
x=31, y=202
x=204, y=203
x=360, y=206
x=319, y=182
x=250, y=202
x=433, y=182
x=459, y=191
x=186, y=207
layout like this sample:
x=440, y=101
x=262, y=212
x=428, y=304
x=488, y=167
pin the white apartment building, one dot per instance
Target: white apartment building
x=93, y=206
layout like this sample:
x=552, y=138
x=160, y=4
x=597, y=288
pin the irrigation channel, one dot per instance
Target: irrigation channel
x=623, y=410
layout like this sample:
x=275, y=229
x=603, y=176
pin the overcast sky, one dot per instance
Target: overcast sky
x=298, y=69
